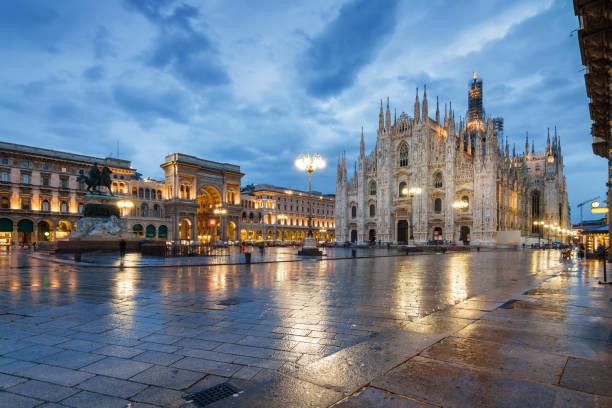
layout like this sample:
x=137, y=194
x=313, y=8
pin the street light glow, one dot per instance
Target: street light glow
x=309, y=163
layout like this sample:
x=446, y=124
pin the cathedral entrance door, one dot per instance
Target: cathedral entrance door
x=372, y=236
x=437, y=234
x=402, y=231
x=353, y=235
x=464, y=235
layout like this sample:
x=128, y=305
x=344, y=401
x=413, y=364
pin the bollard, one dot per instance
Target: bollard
x=353, y=253
x=247, y=257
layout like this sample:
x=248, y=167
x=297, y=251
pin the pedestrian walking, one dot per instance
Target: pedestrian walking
x=122, y=248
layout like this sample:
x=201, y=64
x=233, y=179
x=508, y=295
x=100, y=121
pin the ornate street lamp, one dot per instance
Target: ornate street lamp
x=411, y=192
x=310, y=164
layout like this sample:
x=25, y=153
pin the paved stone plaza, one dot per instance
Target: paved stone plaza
x=490, y=328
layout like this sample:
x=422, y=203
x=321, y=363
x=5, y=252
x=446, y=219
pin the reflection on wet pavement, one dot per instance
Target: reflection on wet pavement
x=174, y=330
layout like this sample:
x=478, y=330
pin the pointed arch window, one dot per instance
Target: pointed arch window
x=372, y=188
x=438, y=180
x=403, y=155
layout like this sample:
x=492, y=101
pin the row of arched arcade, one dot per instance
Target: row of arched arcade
x=25, y=231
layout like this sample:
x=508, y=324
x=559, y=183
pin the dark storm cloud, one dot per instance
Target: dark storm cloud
x=180, y=48
x=336, y=56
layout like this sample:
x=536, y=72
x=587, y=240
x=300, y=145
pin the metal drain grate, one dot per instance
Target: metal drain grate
x=213, y=394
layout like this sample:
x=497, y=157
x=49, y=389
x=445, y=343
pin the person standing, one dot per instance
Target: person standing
x=122, y=248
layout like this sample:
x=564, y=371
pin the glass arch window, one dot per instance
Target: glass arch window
x=372, y=210
x=353, y=211
x=403, y=155
x=438, y=180
x=437, y=205
x=372, y=188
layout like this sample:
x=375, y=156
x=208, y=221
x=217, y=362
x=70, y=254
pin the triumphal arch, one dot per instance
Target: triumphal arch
x=203, y=198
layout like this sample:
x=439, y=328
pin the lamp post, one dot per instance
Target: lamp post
x=220, y=212
x=310, y=164
x=411, y=192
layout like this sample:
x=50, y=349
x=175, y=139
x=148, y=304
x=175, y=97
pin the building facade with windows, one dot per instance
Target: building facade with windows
x=40, y=197
x=277, y=214
x=439, y=179
x=199, y=200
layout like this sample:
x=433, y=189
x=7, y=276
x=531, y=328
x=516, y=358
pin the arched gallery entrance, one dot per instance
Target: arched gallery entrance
x=208, y=223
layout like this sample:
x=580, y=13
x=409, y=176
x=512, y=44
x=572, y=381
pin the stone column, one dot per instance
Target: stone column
x=15, y=235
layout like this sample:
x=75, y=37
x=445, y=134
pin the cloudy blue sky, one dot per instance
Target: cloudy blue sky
x=258, y=82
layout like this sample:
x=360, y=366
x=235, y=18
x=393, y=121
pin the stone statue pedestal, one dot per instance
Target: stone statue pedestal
x=100, y=229
x=102, y=219
x=310, y=248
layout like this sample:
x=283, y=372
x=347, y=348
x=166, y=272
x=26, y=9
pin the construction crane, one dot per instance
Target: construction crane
x=582, y=204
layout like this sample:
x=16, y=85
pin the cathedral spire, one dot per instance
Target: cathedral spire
x=555, y=141
x=507, y=148
x=417, y=108
x=388, y=116
x=381, y=124
x=532, y=145
x=514, y=150
x=362, y=145
x=437, y=111
x=526, y=144
x=445, y=117
x=548, y=142
x=425, y=109
x=394, y=116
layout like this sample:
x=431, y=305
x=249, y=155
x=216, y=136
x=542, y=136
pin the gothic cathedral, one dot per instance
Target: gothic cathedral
x=439, y=180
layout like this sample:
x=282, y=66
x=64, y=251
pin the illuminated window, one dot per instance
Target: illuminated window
x=45, y=205
x=25, y=203
x=64, y=206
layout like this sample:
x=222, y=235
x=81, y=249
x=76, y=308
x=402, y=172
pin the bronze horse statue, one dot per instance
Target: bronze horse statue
x=96, y=179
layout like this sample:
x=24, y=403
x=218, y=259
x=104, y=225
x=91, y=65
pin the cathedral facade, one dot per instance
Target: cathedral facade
x=446, y=180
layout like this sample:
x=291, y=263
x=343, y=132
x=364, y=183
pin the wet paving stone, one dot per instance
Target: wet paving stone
x=589, y=376
x=43, y=390
x=116, y=367
x=507, y=360
x=367, y=315
x=371, y=397
x=458, y=386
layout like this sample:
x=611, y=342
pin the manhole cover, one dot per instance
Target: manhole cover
x=213, y=394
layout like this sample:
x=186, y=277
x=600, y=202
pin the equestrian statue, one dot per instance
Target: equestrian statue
x=96, y=179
